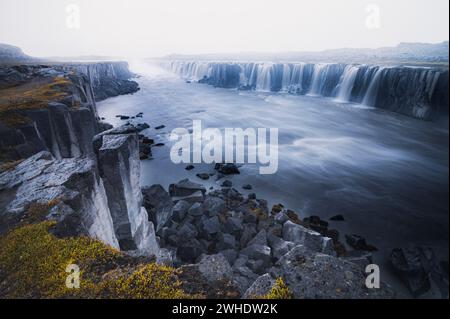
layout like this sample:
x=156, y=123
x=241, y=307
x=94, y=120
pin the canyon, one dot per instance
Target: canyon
x=62, y=153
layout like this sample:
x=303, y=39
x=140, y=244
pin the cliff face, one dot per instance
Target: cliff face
x=64, y=120
x=419, y=92
x=89, y=176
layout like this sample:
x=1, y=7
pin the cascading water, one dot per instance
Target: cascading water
x=406, y=90
x=318, y=79
x=346, y=83
x=371, y=94
x=263, y=82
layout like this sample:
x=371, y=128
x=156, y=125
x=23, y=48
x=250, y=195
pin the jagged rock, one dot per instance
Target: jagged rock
x=233, y=225
x=227, y=183
x=196, y=210
x=359, y=257
x=279, y=246
x=248, y=232
x=243, y=277
x=74, y=182
x=227, y=169
x=214, y=267
x=312, y=275
x=281, y=218
x=180, y=210
x=159, y=127
x=185, y=188
x=247, y=187
x=119, y=167
x=212, y=225
x=214, y=206
x=408, y=265
x=203, y=176
x=230, y=255
x=259, y=239
x=258, y=252
x=196, y=197
x=359, y=243
x=257, y=266
x=190, y=250
x=311, y=239
x=252, y=196
x=338, y=218
x=241, y=261
x=226, y=241
x=189, y=167
x=187, y=231
x=261, y=287
x=158, y=204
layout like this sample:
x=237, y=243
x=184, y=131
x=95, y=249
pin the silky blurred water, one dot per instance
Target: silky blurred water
x=386, y=173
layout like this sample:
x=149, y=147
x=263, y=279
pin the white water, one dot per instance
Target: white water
x=346, y=84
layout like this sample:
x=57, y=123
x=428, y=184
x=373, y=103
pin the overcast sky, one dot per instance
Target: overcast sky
x=140, y=28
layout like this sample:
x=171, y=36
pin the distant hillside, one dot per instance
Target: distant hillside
x=12, y=54
x=402, y=53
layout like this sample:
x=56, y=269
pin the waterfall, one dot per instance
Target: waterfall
x=318, y=79
x=371, y=94
x=415, y=91
x=287, y=77
x=346, y=83
x=263, y=82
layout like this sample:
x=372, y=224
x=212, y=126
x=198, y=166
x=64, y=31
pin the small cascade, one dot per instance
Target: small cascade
x=346, y=83
x=371, y=94
x=317, y=79
x=263, y=81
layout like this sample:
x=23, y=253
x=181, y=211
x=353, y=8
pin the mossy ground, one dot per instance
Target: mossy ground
x=33, y=264
x=279, y=291
x=33, y=95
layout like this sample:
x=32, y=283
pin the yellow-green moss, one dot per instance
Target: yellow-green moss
x=9, y=165
x=33, y=95
x=33, y=265
x=279, y=291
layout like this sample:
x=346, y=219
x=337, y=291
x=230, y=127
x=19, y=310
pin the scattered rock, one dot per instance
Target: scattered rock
x=338, y=218
x=158, y=204
x=359, y=243
x=261, y=287
x=214, y=267
x=180, y=210
x=247, y=187
x=160, y=127
x=227, y=183
x=203, y=176
x=196, y=210
x=252, y=196
x=185, y=188
x=159, y=144
x=415, y=266
x=212, y=225
x=312, y=275
x=227, y=169
x=189, y=167
x=307, y=237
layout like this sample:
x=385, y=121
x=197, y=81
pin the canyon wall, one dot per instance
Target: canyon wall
x=84, y=170
x=420, y=92
x=66, y=127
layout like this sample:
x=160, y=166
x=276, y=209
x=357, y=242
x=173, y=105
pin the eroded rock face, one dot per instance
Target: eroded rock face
x=73, y=182
x=119, y=167
x=64, y=128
